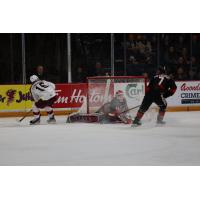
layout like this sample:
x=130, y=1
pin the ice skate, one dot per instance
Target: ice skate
x=136, y=123
x=35, y=121
x=68, y=119
x=161, y=122
x=51, y=120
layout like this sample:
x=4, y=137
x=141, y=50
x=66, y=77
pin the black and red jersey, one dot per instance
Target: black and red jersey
x=162, y=84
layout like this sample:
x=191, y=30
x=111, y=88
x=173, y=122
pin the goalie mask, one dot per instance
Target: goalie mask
x=120, y=95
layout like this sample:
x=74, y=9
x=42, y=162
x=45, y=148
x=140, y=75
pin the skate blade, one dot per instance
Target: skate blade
x=160, y=125
x=135, y=125
x=52, y=122
x=37, y=123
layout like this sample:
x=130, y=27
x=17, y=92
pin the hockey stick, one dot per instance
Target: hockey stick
x=26, y=114
x=130, y=109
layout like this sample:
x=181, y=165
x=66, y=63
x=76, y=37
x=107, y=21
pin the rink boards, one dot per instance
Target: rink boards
x=16, y=99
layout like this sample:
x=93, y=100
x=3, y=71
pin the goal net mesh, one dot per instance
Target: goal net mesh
x=102, y=90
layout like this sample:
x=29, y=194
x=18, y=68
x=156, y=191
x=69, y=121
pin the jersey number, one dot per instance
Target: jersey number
x=41, y=86
x=161, y=79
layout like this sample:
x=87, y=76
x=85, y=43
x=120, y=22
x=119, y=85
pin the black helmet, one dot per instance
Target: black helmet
x=161, y=69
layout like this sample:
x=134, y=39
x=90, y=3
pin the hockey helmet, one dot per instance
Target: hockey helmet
x=34, y=78
x=120, y=95
x=161, y=70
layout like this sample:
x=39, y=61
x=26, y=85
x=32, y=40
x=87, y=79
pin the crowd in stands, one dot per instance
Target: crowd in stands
x=180, y=54
x=144, y=52
x=134, y=54
x=140, y=49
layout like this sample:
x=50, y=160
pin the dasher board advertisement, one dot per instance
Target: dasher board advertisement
x=187, y=94
x=15, y=97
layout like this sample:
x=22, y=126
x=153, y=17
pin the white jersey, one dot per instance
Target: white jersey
x=43, y=90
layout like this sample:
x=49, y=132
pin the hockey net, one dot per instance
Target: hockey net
x=102, y=90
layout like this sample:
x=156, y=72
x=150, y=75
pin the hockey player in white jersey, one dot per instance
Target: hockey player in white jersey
x=44, y=95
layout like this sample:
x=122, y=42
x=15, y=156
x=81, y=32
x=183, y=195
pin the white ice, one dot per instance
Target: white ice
x=176, y=143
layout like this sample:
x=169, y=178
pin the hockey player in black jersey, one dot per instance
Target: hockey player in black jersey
x=159, y=88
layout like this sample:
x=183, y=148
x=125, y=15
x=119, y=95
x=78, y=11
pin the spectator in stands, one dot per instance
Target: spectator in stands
x=40, y=72
x=185, y=56
x=180, y=43
x=148, y=53
x=131, y=43
x=170, y=56
x=148, y=47
x=195, y=45
x=165, y=41
x=143, y=49
x=140, y=44
x=195, y=64
x=180, y=74
x=181, y=62
x=132, y=60
x=146, y=75
x=80, y=75
x=192, y=74
x=131, y=48
x=193, y=71
x=99, y=70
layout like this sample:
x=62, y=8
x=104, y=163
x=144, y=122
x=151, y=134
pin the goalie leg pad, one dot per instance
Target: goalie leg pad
x=88, y=118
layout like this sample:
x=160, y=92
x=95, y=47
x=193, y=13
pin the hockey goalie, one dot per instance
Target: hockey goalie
x=111, y=112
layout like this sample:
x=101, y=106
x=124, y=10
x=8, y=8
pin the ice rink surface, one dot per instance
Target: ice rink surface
x=176, y=143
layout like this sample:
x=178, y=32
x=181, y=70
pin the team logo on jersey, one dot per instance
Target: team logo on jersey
x=133, y=90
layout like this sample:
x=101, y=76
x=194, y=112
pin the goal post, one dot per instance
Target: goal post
x=102, y=89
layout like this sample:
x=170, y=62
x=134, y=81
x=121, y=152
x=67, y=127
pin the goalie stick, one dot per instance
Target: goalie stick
x=130, y=109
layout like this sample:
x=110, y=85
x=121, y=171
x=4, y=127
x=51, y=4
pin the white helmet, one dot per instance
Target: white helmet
x=34, y=78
